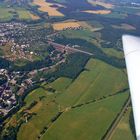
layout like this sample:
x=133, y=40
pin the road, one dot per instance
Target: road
x=110, y=132
x=69, y=49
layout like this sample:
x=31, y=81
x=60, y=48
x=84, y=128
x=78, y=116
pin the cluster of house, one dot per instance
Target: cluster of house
x=7, y=33
x=7, y=97
x=7, y=30
x=21, y=51
x=73, y=28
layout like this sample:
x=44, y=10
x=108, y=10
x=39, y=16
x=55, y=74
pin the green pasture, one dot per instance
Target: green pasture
x=98, y=80
x=123, y=130
x=89, y=122
x=45, y=109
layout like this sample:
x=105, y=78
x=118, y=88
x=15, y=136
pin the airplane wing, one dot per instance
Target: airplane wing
x=131, y=45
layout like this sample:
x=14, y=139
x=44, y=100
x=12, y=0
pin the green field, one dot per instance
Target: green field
x=23, y=14
x=95, y=82
x=5, y=13
x=60, y=84
x=86, y=34
x=89, y=122
x=112, y=52
x=45, y=109
x=123, y=130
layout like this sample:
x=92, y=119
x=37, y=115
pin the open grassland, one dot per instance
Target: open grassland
x=112, y=52
x=85, y=34
x=124, y=26
x=26, y=15
x=45, y=109
x=100, y=12
x=98, y=80
x=123, y=130
x=89, y=122
x=48, y=7
x=64, y=25
x=23, y=14
x=5, y=13
x=92, y=26
x=100, y=3
x=59, y=85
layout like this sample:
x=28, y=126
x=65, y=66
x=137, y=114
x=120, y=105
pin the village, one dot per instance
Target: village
x=16, y=35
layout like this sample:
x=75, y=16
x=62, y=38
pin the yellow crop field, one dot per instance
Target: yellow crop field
x=34, y=17
x=64, y=25
x=48, y=7
x=100, y=3
x=101, y=12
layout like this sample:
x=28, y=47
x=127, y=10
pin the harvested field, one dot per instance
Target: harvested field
x=48, y=7
x=64, y=25
x=101, y=12
x=97, y=2
x=34, y=17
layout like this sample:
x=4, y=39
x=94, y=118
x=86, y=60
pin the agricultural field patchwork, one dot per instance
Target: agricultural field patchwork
x=87, y=85
x=87, y=117
x=6, y=13
x=48, y=7
x=24, y=14
x=64, y=69
x=45, y=109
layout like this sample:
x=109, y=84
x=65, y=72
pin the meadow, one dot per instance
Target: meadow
x=113, y=52
x=5, y=13
x=96, y=83
x=45, y=109
x=123, y=130
x=91, y=34
x=97, y=80
x=24, y=14
x=94, y=119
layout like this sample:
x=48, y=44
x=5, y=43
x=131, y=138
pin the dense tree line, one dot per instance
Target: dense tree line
x=97, y=52
x=71, y=68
